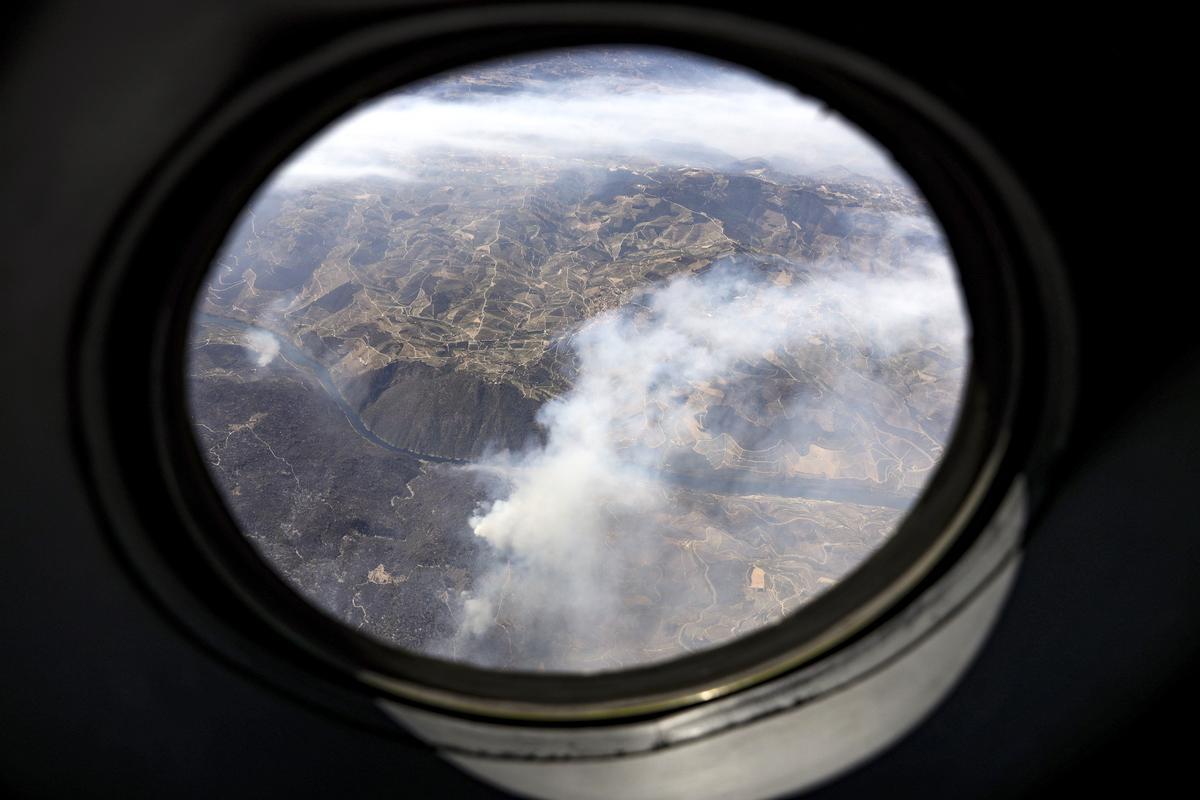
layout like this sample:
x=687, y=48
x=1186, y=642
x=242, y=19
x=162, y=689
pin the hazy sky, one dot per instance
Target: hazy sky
x=715, y=107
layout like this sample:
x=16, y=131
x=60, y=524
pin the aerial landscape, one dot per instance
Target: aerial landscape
x=577, y=361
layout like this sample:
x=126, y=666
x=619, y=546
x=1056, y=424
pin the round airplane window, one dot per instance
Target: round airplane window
x=578, y=361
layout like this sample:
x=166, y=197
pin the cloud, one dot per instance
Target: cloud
x=719, y=113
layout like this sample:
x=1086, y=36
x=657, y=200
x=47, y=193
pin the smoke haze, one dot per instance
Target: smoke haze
x=569, y=516
x=263, y=344
x=710, y=116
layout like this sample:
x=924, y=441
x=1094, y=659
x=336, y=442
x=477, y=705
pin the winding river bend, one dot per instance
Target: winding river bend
x=306, y=363
x=724, y=482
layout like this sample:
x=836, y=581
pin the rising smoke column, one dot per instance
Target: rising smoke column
x=569, y=516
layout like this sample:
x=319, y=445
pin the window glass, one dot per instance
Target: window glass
x=577, y=361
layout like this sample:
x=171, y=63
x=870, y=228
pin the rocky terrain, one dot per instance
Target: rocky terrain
x=373, y=360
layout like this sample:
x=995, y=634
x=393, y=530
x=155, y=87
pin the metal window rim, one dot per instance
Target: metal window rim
x=1040, y=423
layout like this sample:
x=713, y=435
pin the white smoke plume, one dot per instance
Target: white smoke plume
x=567, y=514
x=263, y=344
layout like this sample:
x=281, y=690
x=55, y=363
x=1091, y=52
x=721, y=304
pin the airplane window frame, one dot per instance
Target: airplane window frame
x=179, y=539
